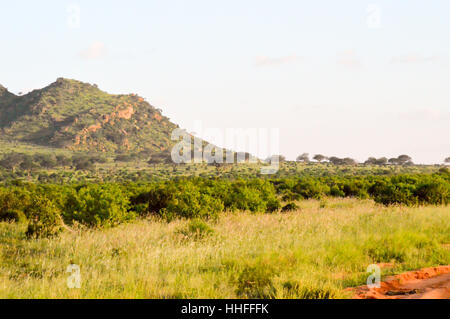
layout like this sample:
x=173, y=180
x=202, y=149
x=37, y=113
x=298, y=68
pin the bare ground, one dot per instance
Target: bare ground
x=427, y=283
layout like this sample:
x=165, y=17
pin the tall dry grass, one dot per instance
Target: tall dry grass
x=312, y=253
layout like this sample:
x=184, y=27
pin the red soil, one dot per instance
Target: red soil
x=428, y=283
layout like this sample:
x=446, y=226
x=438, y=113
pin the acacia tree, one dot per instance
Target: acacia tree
x=349, y=161
x=319, y=157
x=275, y=158
x=304, y=158
x=403, y=159
x=375, y=161
x=371, y=161
x=28, y=164
x=447, y=160
x=393, y=161
x=382, y=161
x=335, y=160
x=281, y=158
x=11, y=161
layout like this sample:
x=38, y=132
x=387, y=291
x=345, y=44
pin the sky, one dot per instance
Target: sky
x=342, y=78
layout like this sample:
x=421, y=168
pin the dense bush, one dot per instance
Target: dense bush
x=389, y=193
x=196, y=229
x=412, y=190
x=254, y=195
x=44, y=218
x=310, y=188
x=256, y=282
x=199, y=198
x=290, y=207
x=109, y=204
x=185, y=200
x=13, y=202
x=435, y=192
x=98, y=205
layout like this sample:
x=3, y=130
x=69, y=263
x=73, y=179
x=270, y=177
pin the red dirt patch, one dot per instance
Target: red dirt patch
x=427, y=283
x=385, y=265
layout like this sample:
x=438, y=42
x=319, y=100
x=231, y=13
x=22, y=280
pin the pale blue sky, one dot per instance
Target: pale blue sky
x=333, y=79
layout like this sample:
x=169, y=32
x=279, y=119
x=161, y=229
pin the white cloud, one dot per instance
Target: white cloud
x=349, y=59
x=267, y=61
x=97, y=50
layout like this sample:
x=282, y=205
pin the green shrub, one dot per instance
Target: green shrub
x=290, y=207
x=309, y=188
x=160, y=197
x=197, y=229
x=336, y=191
x=273, y=205
x=289, y=195
x=112, y=204
x=186, y=200
x=434, y=192
x=244, y=198
x=298, y=290
x=98, y=205
x=355, y=188
x=253, y=195
x=13, y=203
x=255, y=282
x=44, y=218
x=14, y=215
x=388, y=193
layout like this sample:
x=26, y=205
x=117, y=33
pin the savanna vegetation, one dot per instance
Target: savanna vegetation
x=86, y=178
x=314, y=251
x=50, y=208
x=142, y=228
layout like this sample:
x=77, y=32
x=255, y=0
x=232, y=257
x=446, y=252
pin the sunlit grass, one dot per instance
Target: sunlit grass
x=315, y=252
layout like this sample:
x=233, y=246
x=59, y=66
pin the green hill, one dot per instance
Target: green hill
x=77, y=116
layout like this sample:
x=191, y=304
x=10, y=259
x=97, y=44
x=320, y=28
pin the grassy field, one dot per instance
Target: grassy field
x=314, y=252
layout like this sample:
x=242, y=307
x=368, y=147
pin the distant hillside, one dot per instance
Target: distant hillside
x=78, y=116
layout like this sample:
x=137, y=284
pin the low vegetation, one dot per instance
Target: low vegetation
x=313, y=252
x=87, y=178
x=46, y=207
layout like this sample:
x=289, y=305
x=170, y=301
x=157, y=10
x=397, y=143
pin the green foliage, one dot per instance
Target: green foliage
x=185, y=200
x=290, y=207
x=252, y=195
x=79, y=116
x=44, y=218
x=198, y=198
x=14, y=215
x=434, y=192
x=399, y=246
x=309, y=188
x=388, y=193
x=13, y=202
x=197, y=229
x=98, y=205
x=299, y=290
x=110, y=204
x=256, y=282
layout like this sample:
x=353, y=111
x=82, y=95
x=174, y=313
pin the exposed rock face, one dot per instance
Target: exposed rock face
x=79, y=116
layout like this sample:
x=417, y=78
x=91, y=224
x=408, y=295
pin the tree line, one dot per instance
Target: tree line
x=26, y=162
x=400, y=160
